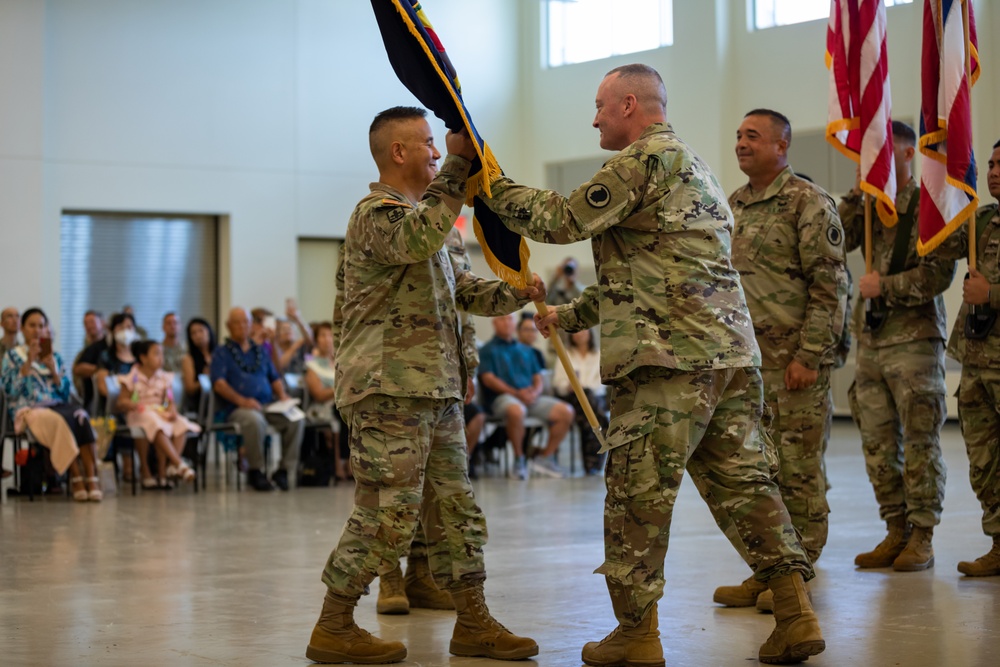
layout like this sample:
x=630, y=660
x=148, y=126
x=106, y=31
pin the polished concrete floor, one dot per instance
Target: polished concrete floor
x=227, y=578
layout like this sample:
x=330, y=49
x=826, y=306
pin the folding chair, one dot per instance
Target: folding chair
x=125, y=437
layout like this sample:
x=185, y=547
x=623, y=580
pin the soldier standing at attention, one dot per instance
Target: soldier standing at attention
x=977, y=346
x=898, y=395
x=401, y=377
x=789, y=249
x=678, y=352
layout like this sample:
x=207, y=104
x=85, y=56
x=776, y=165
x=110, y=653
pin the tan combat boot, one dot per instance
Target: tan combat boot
x=337, y=639
x=391, y=594
x=918, y=554
x=478, y=634
x=987, y=565
x=765, y=601
x=744, y=595
x=629, y=647
x=888, y=549
x=796, y=635
x=421, y=590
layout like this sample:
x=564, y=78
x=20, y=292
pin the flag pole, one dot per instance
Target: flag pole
x=868, y=233
x=968, y=82
x=574, y=381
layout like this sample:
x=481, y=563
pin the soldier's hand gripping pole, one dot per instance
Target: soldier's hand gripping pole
x=574, y=381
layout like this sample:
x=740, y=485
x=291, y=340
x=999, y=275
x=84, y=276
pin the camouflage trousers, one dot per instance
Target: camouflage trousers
x=979, y=415
x=898, y=402
x=663, y=422
x=796, y=430
x=409, y=460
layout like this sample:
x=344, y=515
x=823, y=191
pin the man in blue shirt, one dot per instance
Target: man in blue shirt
x=245, y=380
x=511, y=380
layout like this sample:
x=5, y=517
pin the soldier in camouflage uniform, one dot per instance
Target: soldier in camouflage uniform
x=678, y=352
x=979, y=390
x=788, y=246
x=401, y=376
x=898, y=395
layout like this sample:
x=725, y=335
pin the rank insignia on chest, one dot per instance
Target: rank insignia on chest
x=395, y=214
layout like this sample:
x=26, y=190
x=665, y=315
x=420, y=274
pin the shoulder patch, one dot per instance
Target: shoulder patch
x=395, y=214
x=834, y=236
x=598, y=195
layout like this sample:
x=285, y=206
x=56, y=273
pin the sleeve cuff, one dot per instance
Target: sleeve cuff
x=810, y=360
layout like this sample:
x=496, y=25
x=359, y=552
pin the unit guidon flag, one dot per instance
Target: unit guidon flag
x=420, y=61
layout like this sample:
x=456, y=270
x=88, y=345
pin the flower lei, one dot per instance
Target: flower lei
x=237, y=353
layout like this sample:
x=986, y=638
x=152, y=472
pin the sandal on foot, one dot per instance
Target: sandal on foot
x=95, y=494
x=150, y=483
x=185, y=473
x=80, y=494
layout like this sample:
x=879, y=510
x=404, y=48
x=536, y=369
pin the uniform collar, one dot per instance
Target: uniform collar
x=656, y=128
x=390, y=192
x=747, y=196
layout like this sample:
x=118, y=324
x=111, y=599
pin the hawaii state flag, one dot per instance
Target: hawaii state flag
x=419, y=59
x=859, y=122
x=948, y=182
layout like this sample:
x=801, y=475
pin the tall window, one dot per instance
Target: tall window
x=772, y=13
x=156, y=264
x=583, y=30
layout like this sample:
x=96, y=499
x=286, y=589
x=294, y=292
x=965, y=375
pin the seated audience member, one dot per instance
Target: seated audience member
x=36, y=383
x=245, y=380
x=511, y=380
x=10, y=320
x=475, y=419
x=262, y=332
x=197, y=361
x=141, y=333
x=586, y=360
x=319, y=383
x=527, y=333
x=117, y=359
x=85, y=364
x=173, y=348
x=147, y=401
x=291, y=351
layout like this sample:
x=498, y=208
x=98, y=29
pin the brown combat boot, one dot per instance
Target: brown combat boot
x=918, y=554
x=744, y=595
x=765, y=601
x=336, y=638
x=478, y=634
x=421, y=590
x=987, y=565
x=629, y=647
x=391, y=594
x=888, y=549
x=796, y=635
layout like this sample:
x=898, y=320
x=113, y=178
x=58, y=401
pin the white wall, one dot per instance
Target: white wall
x=253, y=109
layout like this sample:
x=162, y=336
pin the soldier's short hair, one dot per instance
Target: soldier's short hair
x=778, y=119
x=385, y=118
x=904, y=132
x=646, y=81
x=997, y=144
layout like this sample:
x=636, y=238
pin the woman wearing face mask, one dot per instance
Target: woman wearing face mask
x=35, y=379
x=118, y=360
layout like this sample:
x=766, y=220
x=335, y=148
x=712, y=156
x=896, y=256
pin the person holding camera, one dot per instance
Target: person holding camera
x=565, y=286
x=35, y=380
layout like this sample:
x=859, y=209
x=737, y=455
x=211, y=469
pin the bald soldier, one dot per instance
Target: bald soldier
x=788, y=246
x=678, y=352
x=401, y=375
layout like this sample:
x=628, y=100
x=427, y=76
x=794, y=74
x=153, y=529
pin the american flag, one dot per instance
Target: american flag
x=859, y=122
x=948, y=183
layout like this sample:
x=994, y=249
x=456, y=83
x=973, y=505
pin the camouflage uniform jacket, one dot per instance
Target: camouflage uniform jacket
x=462, y=264
x=400, y=333
x=666, y=293
x=984, y=353
x=789, y=250
x=914, y=295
